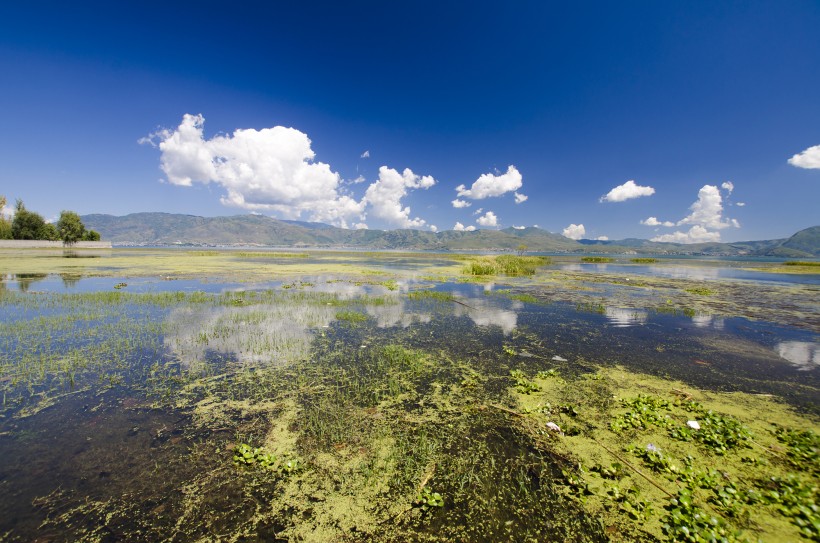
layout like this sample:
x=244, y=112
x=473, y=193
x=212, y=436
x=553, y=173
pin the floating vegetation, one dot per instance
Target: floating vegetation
x=597, y=259
x=645, y=462
x=264, y=254
x=353, y=317
x=643, y=260
x=700, y=291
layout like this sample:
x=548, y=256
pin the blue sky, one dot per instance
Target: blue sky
x=210, y=108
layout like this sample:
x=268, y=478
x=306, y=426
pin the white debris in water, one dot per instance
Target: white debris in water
x=554, y=427
x=559, y=358
x=693, y=424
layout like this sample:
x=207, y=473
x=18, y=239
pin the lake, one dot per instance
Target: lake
x=153, y=395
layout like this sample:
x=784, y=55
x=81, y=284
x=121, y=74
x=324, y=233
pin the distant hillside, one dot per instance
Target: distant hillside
x=804, y=243
x=174, y=229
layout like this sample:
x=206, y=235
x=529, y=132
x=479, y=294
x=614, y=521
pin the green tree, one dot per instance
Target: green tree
x=91, y=235
x=30, y=225
x=26, y=224
x=48, y=232
x=5, y=223
x=522, y=248
x=70, y=227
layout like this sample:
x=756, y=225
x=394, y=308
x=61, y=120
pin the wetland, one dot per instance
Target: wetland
x=251, y=395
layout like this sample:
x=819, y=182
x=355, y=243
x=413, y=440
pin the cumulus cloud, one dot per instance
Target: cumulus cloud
x=384, y=196
x=489, y=185
x=461, y=228
x=728, y=186
x=696, y=234
x=627, y=191
x=359, y=179
x=458, y=204
x=706, y=219
x=519, y=227
x=808, y=159
x=520, y=198
x=653, y=221
x=433, y=228
x=602, y=238
x=272, y=169
x=478, y=211
x=488, y=219
x=707, y=211
x=366, y=154
x=574, y=231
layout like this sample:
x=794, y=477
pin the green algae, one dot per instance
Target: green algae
x=634, y=423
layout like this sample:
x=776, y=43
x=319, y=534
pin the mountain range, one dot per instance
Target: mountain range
x=160, y=229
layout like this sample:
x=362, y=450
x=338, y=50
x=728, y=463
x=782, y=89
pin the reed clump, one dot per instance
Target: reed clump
x=505, y=265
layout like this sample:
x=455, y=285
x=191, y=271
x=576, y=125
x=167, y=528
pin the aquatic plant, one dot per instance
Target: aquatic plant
x=597, y=259
x=700, y=291
x=523, y=384
x=427, y=500
x=686, y=521
x=802, y=263
x=505, y=264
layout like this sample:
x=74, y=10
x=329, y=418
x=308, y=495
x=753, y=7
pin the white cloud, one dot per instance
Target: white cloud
x=707, y=211
x=627, y=191
x=488, y=219
x=728, y=186
x=433, y=228
x=458, y=204
x=461, y=228
x=384, y=196
x=366, y=154
x=809, y=159
x=696, y=234
x=478, y=211
x=359, y=179
x=574, y=231
x=520, y=198
x=653, y=221
x=602, y=238
x=519, y=227
x=741, y=204
x=270, y=169
x=706, y=219
x=489, y=185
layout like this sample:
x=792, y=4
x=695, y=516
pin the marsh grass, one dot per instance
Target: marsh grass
x=802, y=263
x=597, y=259
x=505, y=265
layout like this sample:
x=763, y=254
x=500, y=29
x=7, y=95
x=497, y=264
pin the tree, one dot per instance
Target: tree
x=70, y=227
x=91, y=235
x=522, y=248
x=27, y=224
x=48, y=232
x=5, y=224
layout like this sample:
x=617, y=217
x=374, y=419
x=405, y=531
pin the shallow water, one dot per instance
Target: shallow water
x=105, y=424
x=695, y=272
